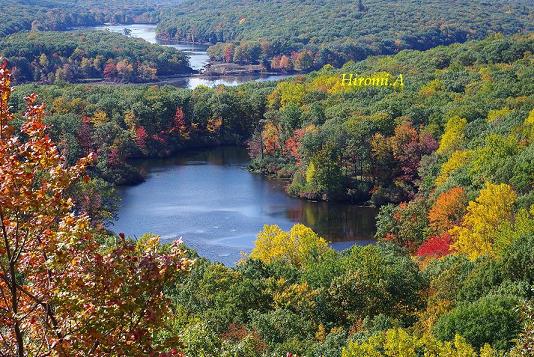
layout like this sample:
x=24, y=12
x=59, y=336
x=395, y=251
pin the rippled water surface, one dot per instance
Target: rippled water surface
x=210, y=199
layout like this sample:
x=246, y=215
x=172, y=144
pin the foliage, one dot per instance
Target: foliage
x=294, y=294
x=375, y=140
x=448, y=210
x=399, y=342
x=56, y=15
x=453, y=136
x=298, y=35
x=123, y=123
x=64, y=293
x=297, y=247
x=476, y=235
x=492, y=319
x=436, y=246
x=74, y=56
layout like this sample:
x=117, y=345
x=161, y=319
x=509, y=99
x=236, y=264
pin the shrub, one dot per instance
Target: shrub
x=491, y=319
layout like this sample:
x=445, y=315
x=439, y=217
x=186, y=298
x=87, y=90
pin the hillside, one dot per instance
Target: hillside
x=448, y=156
x=334, y=31
x=64, y=14
x=72, y=56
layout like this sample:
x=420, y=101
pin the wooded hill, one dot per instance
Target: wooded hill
x=71, y=56
x=22, y=15
x=313, y=33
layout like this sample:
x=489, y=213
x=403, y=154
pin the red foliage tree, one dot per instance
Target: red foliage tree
x=408, y=147
x=228, y=53
x=180, y=125
x=436, y=246
x=110, y=71
x=141, y=137
x=292, y=144
x=61, y=292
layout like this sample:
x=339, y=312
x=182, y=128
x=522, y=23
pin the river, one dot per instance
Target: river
x=198, y=58
x=208, y=198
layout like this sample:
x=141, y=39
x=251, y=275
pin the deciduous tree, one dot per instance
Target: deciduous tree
x=62, y=293
x=476, y=235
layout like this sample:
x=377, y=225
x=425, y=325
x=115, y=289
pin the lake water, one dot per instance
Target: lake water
x=198, y=58
x=208, y=198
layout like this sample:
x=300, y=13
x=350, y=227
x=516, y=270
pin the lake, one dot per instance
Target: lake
x=208, y=198
x=198, y=58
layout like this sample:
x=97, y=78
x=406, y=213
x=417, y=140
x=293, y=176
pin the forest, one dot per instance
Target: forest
x=294, y=35
x=50, y=56
x=56, y=15
x=448, y=158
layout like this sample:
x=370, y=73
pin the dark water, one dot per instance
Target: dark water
x=198, y=58
x=208, y=198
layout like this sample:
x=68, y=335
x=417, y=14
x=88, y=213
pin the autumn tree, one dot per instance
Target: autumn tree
x=453, y=136
x=448, y=210
x=476, y=235
x=180, y=125
x=62, y=293
x=294, y=247
x=270, y=136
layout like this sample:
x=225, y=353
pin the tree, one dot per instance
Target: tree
x=492, y=319
x=295, y=247
x=124, y=70
x=458, y=160
x=398, y=342
x=476, y=235
x=327, y=174
x=63, y=293
x=303, y=61
x=453, y=136
x=408, y=146
x=180, y=125
x=292, y=144
x=99, y=118
x=285, y=63
x=110, y=70
x=448, y=210
x=270, y=136
x=214, y=125
x=141, y=137
x=436, y=246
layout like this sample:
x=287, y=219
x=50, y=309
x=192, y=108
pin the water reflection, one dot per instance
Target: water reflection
x=198, y=58
x=211, y=200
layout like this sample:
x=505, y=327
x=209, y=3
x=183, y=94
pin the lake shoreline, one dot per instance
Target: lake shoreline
x=283, y=182
x=214, y=188
x=204, y=71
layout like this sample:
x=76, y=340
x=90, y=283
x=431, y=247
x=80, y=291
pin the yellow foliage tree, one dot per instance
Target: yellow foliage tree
x=399, y=343
x=457, y=160
x=453, y=136
x=99, y=118
x=529, y=124
x=214, y=125
x=130, y=120
x=310, y=173
x=497, y=114
x=477, y=234
x=298, y=297
x=285, y=93
x=431, y=88
x=294, y=247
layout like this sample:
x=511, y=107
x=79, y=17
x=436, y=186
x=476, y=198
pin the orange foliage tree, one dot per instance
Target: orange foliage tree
x=448, y=210
x=62, y=293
